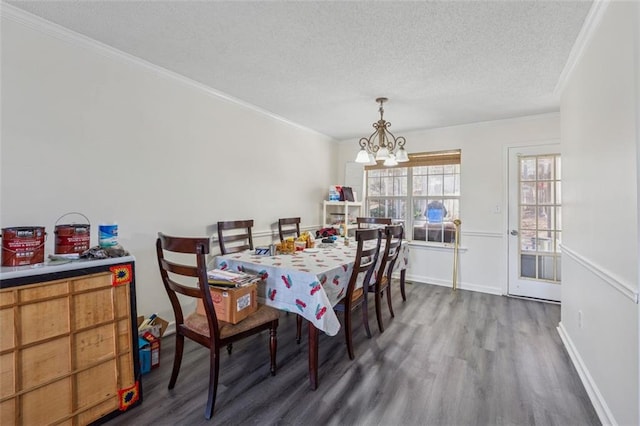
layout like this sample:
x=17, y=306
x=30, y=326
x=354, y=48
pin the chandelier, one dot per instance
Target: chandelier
x=382, y=144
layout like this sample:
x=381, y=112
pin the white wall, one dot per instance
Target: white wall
x=483, y=260
x=600, y=135
x=86, y=130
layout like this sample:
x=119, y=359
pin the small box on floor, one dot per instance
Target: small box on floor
x=154, y=324
x=144, y=350
x=232, y=304
x=150, y=332
x=149, y=352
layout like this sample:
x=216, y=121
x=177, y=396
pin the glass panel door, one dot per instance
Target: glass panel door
x=535, y=224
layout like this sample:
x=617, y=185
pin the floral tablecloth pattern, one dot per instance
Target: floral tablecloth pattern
x=308, y=283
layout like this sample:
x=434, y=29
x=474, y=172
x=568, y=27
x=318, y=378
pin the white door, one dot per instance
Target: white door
x=535, y=222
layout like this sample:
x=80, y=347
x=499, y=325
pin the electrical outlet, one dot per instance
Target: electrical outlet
x=579, y=319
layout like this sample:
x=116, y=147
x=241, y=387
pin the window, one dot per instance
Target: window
x=540, y=217
x=423, y=194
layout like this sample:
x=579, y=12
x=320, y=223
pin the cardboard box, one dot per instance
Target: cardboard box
x=153, y=345
x=157, y=329
x=149, y=349
x=232, y=304
x=149, y=343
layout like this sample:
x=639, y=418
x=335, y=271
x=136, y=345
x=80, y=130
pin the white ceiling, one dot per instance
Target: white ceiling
x=321, y=64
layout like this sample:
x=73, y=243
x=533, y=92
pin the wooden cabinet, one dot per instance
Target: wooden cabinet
x=335, y=213
x=68, y=343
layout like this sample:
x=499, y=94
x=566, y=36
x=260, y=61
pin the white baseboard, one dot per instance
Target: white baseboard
x=461, y=285
x=599, y=404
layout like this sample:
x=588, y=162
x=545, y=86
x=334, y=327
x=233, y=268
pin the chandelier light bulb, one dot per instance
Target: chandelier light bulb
x=390, y=161
x=382, y=154
x=363, y=156
x=401, y=155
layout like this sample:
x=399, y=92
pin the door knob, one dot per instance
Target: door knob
x=514, y=232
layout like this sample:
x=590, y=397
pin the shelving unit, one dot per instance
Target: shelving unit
x=342, y=211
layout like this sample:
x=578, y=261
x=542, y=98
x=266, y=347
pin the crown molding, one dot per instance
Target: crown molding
x=59, y=32
x=591, y=24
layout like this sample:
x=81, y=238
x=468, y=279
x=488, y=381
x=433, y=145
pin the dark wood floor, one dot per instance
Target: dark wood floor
x=447, y=358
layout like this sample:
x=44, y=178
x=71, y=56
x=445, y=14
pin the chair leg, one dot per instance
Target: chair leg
x=214, y=366
x=298, y=328
x=365, y=314
x=402, y=276
x=273, y=346
x=177, y=360
x=389, y=300
x=378, y=296
x=347, y=331
x=229, y=348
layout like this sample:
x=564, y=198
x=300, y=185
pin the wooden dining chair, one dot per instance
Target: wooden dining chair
x=235, y=236
x=366, y=222
x=366, y=258
x=393, y=235
x=207, y=330
x=289, y=226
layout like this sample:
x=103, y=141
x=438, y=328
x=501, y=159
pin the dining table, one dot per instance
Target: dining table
x=308, y=282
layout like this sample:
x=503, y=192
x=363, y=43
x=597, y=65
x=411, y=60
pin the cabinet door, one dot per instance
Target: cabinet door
x=71, y=352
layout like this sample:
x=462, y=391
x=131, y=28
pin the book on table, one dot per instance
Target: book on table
x=224, y=278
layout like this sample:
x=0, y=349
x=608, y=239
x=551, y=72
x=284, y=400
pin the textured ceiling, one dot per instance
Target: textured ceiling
x=322, y=64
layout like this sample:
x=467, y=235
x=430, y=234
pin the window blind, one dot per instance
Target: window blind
x=436, y=158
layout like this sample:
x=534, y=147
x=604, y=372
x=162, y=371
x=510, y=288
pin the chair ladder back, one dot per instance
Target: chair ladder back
x=179, y=268
x=394, y=235
x=366, y=258
x=243, y=234
x=362, y=221
x=198, y=247
x=288, y=226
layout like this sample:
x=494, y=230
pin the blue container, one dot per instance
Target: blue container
x=145, y=355
x=435, y=215
x=108, y=235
